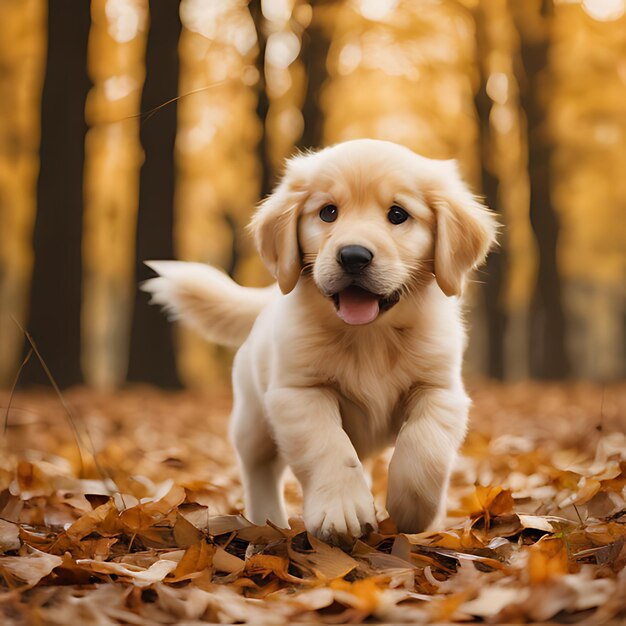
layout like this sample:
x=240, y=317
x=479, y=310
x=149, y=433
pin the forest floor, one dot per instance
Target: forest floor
x=143, y=529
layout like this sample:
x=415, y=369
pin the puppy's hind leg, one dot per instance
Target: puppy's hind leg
x=261, y=466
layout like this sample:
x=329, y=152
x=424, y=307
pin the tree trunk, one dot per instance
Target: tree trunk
x=54, y=319
x=548, y=354
x=494, y=270
x=314, y=54
x=263, y=103
x=152, y=348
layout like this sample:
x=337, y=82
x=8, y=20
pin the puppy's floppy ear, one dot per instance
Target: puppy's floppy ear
x=465, y=229
x=275, y=225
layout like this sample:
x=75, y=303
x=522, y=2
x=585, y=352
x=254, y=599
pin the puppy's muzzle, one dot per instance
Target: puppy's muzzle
x=354, y=259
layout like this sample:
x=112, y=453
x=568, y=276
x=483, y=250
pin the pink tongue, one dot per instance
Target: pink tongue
x=357, y=306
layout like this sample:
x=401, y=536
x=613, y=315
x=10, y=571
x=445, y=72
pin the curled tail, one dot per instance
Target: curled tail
x=207, y=300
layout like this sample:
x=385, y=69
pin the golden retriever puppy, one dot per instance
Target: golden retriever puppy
x=360, y=346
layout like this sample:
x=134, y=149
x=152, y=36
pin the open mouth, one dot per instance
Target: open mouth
x=356, y=305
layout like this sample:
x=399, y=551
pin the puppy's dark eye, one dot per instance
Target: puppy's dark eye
x=397, y=215
x=328, y=213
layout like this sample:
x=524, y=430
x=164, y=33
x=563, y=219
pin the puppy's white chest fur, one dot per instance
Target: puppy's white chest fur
x=370, y=370
x=370, y=373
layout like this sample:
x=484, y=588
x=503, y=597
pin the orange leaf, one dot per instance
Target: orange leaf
x=589, y=488
x=103, y=519
x=197, y=558
x=265, y=564
x=486, y=502
x=547, y=559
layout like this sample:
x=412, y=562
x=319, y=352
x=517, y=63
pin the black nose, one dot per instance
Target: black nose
x=353, y=259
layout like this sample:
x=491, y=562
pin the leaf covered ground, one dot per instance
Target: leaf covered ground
x=139, y=525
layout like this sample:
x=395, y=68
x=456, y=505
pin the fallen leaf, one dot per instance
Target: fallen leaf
x=103, y=520
x=225, y=562
x=488, y=502
x=9, y=536
x=139, y=576
x=360, y=594
x=325, y=561
x=266, y=564
x=492, y=600
x=30, y=568
x=547, y=560
x=196, y=558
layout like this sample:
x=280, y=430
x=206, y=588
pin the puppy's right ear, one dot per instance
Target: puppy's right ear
x=275, y=225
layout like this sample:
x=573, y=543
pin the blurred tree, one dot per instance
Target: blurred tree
x=494, y=271
x=116, y=65
x=263, y=103
x=286, y=22
x=22, y=59
x=548, y=356
x=151, y=346
x=217, y=161
x=588, y=123
x=314, y=54
x=55, y=299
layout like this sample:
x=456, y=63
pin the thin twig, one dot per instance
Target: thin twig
x=146, y=115
x=57, y=390
x=580, y=519
x=15, y=381
x=104, y=474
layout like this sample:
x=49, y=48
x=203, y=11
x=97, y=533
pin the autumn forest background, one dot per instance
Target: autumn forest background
x=132, y=130
x=149, y=129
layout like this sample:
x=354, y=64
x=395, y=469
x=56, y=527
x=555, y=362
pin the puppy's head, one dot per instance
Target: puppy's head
x=370, y=221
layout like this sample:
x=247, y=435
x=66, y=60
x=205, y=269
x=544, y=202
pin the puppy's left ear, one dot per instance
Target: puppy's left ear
x=275, y=226
x=465, y=229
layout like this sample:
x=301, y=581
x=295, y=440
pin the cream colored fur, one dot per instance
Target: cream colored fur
x=318, y=394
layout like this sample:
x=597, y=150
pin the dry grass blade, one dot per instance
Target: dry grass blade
x=73, y=420
x=13, y=386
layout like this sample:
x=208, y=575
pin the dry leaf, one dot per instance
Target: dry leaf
x=103, y=520
x=9, y=536
x=197, y=558
x=225, y=562
x=30, y=568
x=492, y=600
x=488, y=502
x=139, y=576
x=326, y=562
x=547, y=559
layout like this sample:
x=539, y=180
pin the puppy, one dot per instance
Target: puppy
x=360, y=344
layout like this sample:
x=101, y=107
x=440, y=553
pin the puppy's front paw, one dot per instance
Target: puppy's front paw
x=340, y=509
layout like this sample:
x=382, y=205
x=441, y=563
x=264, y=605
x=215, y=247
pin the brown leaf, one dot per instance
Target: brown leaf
x=139, y=576
x=223, y=524
x=265, y=564
x=225, y=562
x=589, y=488
x=197, y=558
x=547, y=559
x=103, y=520
x=139, y=518
x=9, y=536
x=30, y=568
x=185, y=533
x=491, y=600
x=325, y=561
x=486, y=502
